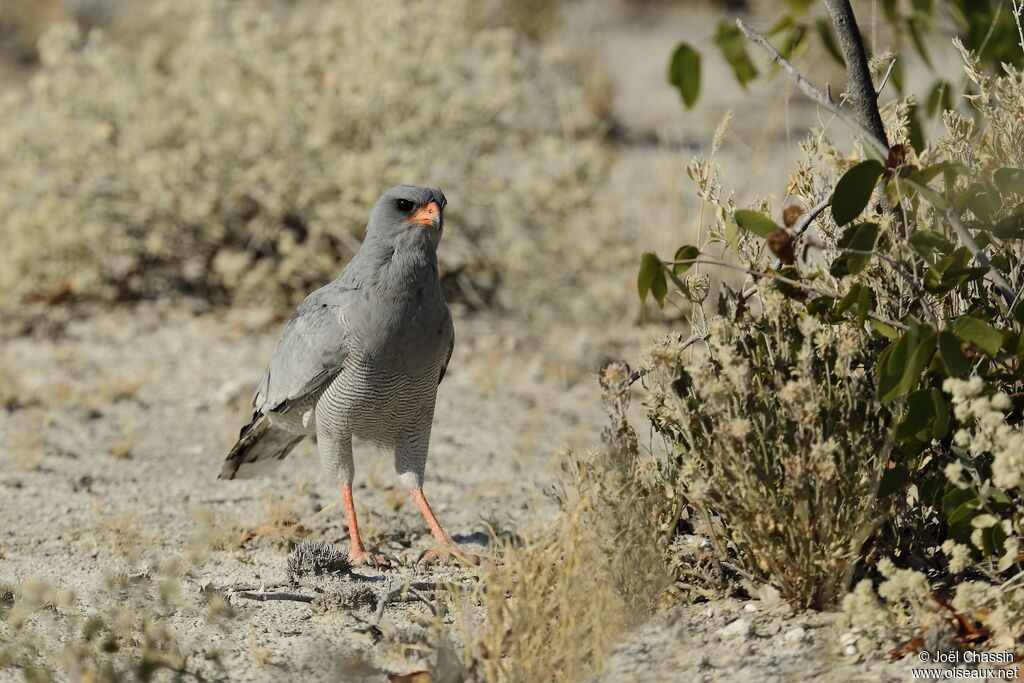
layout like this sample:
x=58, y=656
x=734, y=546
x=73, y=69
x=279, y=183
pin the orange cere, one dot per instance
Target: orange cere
x=425, y=214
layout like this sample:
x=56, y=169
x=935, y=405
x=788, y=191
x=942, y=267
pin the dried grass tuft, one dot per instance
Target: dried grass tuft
x=312, y=557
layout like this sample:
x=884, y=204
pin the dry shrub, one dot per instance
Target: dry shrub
x=555, y=604
x=119, y=632
x=779, y=444
x=240, y=159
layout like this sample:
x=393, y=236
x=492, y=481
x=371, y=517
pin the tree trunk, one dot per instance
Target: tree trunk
x=860, y=90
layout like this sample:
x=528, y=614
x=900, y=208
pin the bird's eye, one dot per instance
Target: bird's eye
x=404, y=205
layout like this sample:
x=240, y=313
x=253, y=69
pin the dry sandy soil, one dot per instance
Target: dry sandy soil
x=113, y=428
x=113, y=424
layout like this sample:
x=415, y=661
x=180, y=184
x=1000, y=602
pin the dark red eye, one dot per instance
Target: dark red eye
x=404, y=205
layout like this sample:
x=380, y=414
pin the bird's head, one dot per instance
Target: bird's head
x=408, y=214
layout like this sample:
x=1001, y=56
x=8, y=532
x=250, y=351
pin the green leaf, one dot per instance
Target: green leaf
x=799, y=6
x=659, y=288
x=935, y=278
x=940, y=427
x=684, y=253
x=828, y=39
x=850, y=298
x=1010, y=180
x=964, y=512
x=860, y=237
x=914, y=28
x=952, y=356
x=650, y=266
x=979, y=200
x=919, y=415
x=955, y=498
x=924, y=242
x=733, y=45
x=1011, y=227
x=894, y=479
x=891, y=10
x=684, y=73
x=931, y=195
x=929, y=173
x=865, y=304
x=978, y=332
x=755, y=222
x=853, y=191
x=915, y=128
x=884, y=329
x=793, y=42
x=732, y=234
x=900, y=364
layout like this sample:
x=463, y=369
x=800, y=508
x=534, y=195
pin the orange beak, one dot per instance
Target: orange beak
x=425, y=214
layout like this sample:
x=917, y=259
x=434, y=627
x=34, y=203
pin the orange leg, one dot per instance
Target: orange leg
x=445, y=545
x=357, y=554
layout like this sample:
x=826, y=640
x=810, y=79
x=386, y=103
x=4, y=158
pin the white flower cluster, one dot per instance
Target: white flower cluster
x=990, y=433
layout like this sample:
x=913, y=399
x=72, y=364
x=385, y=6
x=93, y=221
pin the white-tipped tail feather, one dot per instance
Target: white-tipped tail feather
x=260, y=449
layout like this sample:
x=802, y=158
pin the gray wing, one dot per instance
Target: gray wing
x=311, y=352
x=450, y=333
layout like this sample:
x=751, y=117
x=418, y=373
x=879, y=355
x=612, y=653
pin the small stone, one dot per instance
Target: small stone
x=850, y=637
x=740, y=627
x=850, y=650
x=795, y=635
x=750, y=607
x=770, y=597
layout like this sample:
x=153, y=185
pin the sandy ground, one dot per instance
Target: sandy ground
x=113, y=424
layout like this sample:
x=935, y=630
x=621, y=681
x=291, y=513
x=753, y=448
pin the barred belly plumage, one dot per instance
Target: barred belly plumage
x=369, y=402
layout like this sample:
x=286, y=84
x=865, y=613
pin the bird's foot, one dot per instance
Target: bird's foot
x=446, y=554
x=363, y=557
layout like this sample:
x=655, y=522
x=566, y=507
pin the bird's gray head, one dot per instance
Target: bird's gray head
x=408, y=215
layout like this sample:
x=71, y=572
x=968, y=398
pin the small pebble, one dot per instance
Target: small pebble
x=795, y=635
x=740, y=627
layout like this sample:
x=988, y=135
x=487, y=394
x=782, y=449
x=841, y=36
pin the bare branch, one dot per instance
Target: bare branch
x=263, y=597
x=993, y=275
x=414, y=588
x=878, y=143
x=785, y=280
x=882, y=146
x=859, y=88
x=808, y=218
x=885, y=79
x=1018, y=8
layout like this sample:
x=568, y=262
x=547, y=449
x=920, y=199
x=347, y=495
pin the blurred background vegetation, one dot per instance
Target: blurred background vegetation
x=228, y=152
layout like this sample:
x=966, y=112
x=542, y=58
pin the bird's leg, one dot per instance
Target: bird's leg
x=445, y=546
x=357, y=554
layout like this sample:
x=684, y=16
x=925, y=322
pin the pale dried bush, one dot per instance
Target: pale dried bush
x=555, y=603
x=842, y=386
x=777, y=440
x=240, y=159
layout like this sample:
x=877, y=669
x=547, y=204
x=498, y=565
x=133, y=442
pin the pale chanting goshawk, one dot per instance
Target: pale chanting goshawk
x=362, y=356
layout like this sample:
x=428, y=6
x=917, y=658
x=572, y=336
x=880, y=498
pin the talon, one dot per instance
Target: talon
x=445, y=555
x=369, y=559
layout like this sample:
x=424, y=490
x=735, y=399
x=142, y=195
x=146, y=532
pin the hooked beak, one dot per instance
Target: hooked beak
x=428, y=215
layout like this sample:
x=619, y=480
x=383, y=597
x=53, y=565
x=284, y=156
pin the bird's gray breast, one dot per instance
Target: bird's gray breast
x=389, y=383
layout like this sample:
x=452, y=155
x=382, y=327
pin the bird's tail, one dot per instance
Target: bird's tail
x=260, y=449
